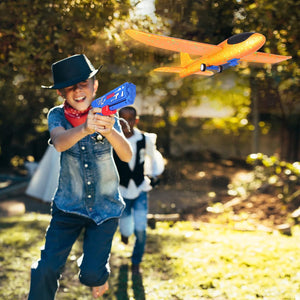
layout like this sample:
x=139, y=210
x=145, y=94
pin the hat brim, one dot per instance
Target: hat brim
x=70, y=82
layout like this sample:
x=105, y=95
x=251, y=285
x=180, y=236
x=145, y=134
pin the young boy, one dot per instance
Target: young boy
x=87, y=195
x=134, y=185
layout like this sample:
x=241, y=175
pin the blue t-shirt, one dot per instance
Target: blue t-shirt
x=88, y=181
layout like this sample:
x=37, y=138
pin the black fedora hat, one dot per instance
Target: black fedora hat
x=71, y=70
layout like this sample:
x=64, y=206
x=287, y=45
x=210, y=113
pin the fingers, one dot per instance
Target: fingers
x=99, y=123
x=96, y=110
x=103, y=122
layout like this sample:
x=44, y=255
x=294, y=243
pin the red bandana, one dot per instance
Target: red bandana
x=74, y=116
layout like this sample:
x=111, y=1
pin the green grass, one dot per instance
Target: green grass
x=181, y=262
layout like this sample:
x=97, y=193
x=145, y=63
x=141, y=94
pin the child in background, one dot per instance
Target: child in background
x=135, y=184
x=87, y=196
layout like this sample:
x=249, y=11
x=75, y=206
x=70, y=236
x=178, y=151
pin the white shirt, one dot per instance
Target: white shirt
x=150, y=166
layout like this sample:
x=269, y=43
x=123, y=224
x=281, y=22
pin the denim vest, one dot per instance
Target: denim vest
x=88, y=182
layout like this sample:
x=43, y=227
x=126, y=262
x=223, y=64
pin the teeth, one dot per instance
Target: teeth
x=79, y=99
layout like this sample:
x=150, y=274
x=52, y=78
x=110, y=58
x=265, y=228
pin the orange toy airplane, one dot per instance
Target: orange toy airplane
x=240, y=47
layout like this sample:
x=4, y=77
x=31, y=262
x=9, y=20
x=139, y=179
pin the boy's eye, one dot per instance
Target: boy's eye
x=68, y=89
x=73, y=87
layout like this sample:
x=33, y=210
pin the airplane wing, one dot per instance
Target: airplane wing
x=173, y=44
x=264, y=58
x=179, y=69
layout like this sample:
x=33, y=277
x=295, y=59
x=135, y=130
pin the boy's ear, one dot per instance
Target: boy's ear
x=96, y=84
x=137, y=119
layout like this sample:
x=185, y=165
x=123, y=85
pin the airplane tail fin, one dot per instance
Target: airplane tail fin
x=185, y=59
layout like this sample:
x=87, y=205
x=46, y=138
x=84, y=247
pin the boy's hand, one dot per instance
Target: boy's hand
x=98, y=123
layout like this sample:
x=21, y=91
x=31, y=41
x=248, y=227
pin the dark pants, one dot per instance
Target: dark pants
x=61, y=234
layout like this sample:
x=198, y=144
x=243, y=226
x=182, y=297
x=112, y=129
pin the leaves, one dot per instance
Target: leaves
x=35, y=34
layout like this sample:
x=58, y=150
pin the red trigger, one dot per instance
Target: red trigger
x=106, y=111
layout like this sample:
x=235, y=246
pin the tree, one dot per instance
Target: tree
x=206, y=21
x=276, y=88
x=33, y=35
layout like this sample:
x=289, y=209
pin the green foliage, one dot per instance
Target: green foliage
x=182, y=261
x=276, y=87
x=210, y=22
x=283, y=176
x=34, y=34
x=236, y=97
x=206, y=21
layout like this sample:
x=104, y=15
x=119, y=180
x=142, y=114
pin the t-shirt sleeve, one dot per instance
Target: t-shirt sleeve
x=56, y=118
x=154, y=161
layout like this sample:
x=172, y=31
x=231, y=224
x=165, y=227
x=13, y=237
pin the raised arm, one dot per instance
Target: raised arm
x=120, y=145
x=63, y=139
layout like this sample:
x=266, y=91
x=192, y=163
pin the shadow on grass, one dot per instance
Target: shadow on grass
x=122, y=285
x=24, y=224
x=22, y=237
x=121, y=292
x=138, y=287
x=156, y=243
x=157, y=262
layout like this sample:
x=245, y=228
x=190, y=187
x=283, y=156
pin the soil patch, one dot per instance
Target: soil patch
x=187, y=188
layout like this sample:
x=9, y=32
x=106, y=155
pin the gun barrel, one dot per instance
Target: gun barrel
x=119, y=97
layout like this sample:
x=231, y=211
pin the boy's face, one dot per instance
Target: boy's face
x=131, y=119
x=81, y=94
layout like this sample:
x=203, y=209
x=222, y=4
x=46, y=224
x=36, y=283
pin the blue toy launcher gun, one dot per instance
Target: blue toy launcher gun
x=121, y=96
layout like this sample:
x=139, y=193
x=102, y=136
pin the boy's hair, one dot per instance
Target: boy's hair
x=130, y=109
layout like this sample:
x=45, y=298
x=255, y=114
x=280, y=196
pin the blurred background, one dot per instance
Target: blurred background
x=244, y=110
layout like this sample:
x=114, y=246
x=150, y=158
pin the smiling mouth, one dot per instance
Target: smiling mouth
x=80, y=99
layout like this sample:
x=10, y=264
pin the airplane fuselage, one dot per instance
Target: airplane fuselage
x=235, y=47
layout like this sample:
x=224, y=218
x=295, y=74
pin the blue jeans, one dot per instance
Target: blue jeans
x=61, y=234
x=134, y=220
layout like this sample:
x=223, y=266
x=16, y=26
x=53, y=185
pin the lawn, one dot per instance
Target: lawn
x=183, y=261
